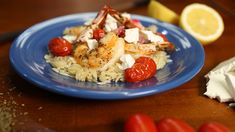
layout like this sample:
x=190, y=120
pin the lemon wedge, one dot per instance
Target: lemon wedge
x=202, y=22
x=161, y=12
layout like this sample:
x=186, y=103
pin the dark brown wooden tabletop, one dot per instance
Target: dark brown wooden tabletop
x=26, y=107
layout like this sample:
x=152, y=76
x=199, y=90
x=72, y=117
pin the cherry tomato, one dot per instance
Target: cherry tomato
x=98, y=33
x=60, y=47
x=143, y=69
x=173, y=125
x=140, y=123
x=212, y=127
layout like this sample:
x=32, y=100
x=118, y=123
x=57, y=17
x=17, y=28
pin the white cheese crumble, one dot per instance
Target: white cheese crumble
x=127, y=61
x=110, y=23
x=70, y=38
x=132, y=35
x=92, y=44
x=152, y=37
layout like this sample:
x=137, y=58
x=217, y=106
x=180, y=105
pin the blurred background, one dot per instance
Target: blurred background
x=24, y=13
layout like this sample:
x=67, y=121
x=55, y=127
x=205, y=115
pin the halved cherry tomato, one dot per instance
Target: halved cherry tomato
x=212, y=127
x=143, y=69
x=140, y=123
x=173, y=125
x=60, y=47
x=98, y=33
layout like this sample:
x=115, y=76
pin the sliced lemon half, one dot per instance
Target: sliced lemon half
x=202, y=22
x=161, y=12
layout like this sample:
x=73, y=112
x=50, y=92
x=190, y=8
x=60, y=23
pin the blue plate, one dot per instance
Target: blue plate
x=28, y=50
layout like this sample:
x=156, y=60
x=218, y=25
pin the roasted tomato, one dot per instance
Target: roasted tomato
x=173, y=125
x=98, y=33
x=140, y=123
x=60, y=47
x=143, y=69
x=212, y=127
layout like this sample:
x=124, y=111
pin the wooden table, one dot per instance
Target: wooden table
x=26, y=107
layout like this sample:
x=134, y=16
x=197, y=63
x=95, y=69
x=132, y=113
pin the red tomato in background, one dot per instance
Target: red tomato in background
x=140, y=123
x=60, y=47
x=173, y=125
x=98, y=33
x=212, y=127
x=143, y=69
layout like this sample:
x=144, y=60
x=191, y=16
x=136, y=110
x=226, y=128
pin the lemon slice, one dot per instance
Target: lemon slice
x=161, y=12
x=202, y=22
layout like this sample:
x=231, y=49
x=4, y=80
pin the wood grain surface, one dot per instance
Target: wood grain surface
x=25, y=107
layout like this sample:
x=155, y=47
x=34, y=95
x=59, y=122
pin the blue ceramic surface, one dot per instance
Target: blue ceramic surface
x=28, y=50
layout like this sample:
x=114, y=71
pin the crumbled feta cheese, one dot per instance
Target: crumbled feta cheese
x=92, y=44
x=132, y=35
x=85, y=35
x=152, y=37
x=126, y=15
x=127, y=61
x=110, y=23
x=70, y=38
